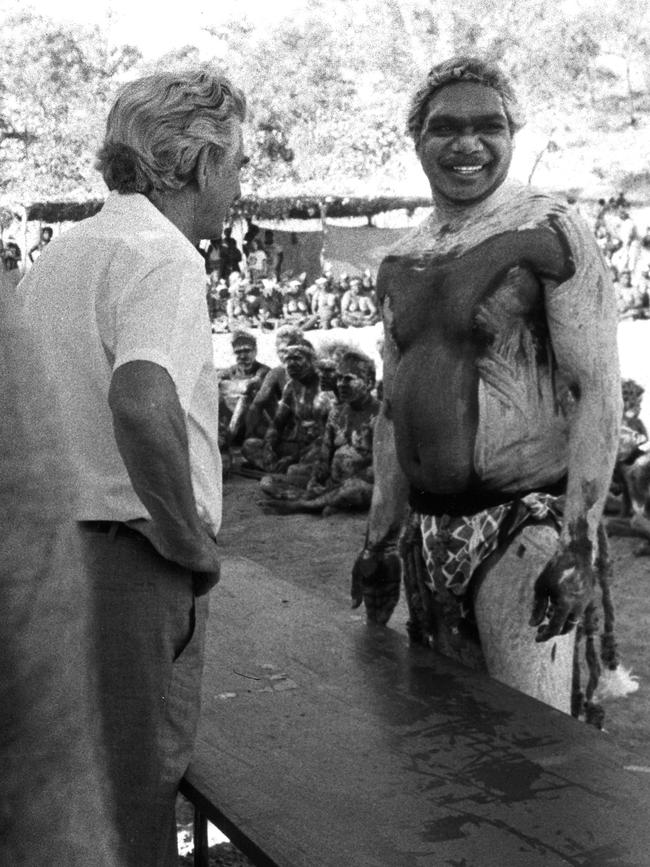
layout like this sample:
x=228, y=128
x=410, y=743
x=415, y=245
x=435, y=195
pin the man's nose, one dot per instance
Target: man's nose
x=467, y=142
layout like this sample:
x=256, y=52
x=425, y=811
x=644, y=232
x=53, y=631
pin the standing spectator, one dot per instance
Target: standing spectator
x=43, y=241
x=625, y=257
x=213, y=257
x=256, y=263
x=118, y=311
x=11, y=255
x=231, y=257
x=251, y=234
x=274, y=254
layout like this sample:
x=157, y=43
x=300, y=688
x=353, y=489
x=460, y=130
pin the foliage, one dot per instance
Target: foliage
x=55, y=85
x=328, y=89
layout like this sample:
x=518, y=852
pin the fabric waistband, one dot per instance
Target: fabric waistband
x=470, y=502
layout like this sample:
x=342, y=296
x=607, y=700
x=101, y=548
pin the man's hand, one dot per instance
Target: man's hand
x=198, y=553
x=376, y=578
x=562, y=592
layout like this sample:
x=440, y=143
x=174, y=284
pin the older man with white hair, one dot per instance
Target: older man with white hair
x=118, y=306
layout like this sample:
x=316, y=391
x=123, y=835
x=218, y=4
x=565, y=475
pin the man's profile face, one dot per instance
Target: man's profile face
x=466, y=145
x=222, y=187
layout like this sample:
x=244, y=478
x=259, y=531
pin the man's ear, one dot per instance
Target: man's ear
x=205, y=164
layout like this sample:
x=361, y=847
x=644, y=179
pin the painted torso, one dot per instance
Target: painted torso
x=476, y=401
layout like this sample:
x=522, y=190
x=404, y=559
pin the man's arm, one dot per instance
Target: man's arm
x=376, y=572
x=583, y=328
x=149, y=426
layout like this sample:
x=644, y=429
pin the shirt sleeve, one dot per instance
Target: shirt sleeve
x=161, y=316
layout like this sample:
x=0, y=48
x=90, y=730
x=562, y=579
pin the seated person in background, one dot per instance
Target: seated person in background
x=629, y=496
x=216, y=295
x=238, y=385
x=270, y=299
x=357, y=306
x=367, y=283
x=312, y=291
x=241, y=307
x=330, y=353
x=265, y=402
x=293, y=438
x=631, y=300
x=341, y=477
x=295, y=307
x=326, y=304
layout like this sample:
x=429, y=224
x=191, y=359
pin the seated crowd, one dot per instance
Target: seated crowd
x=248, y=289
x=627, y=252
x=304, y=428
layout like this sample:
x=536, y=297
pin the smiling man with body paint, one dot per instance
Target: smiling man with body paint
x=499, y=425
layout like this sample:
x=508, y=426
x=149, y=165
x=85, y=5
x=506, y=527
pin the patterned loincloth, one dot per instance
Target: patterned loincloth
x=454, y=547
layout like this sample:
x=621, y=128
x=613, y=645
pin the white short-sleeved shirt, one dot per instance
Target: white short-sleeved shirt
x=126, y=285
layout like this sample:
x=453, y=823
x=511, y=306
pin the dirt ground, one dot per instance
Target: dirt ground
x=317, y=553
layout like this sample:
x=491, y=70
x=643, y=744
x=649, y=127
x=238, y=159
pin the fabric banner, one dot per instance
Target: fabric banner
x=352, y=249
x=302, y=252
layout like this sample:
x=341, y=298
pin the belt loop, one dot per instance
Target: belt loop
x=112, y=533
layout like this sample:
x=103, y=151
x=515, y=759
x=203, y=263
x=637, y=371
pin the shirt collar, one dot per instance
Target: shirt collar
x=135, y=206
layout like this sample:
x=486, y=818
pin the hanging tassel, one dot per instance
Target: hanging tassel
x=616, y=683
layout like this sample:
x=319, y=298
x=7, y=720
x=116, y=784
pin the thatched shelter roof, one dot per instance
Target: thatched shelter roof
x=267, y=208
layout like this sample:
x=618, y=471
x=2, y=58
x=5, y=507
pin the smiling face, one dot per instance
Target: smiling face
x=466, y=144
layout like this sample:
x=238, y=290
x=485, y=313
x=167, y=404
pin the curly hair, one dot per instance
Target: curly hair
x=359, y=361
x=457, y=69
x=159, y=124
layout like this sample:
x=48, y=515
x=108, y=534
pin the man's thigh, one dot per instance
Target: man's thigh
x=148, y=644
x=503, y=603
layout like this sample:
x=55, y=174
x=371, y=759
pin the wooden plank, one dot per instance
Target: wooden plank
x=325, y=742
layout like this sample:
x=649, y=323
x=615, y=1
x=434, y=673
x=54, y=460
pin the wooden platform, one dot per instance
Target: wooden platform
x=327, y=743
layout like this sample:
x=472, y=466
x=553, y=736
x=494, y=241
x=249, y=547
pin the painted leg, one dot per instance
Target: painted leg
x=503, y=603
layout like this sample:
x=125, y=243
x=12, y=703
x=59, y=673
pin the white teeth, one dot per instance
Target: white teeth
x=467, y=170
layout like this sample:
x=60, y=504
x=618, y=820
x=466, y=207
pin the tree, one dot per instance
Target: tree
x=55, y=85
